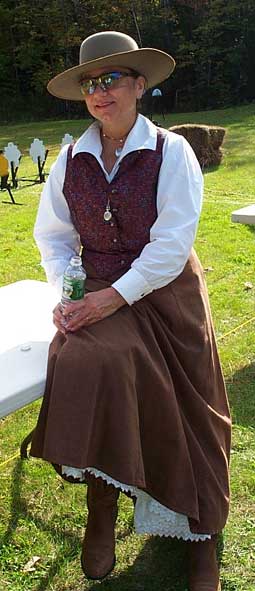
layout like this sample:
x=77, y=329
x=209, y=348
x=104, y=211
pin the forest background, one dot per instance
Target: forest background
x=213, y=42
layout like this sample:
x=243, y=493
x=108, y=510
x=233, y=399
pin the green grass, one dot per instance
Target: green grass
x=41, y=515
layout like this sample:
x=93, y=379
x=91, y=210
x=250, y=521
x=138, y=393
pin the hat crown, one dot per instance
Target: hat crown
x=106, y=43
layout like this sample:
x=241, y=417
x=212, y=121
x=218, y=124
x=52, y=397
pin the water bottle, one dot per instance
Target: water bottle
x=73, y=281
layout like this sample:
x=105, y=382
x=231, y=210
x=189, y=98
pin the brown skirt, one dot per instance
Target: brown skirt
x=140, y=396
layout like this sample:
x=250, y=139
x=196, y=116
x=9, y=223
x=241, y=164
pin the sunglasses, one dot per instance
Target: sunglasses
x=105, y=81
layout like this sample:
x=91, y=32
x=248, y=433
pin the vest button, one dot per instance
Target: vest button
x=112, y=224
x=114, y=191
x=122, y=262
x=115, y=240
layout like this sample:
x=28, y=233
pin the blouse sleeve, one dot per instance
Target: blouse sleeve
x=179, y=199
x=54, y=232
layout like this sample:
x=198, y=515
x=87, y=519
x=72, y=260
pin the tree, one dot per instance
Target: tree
x=213, y=42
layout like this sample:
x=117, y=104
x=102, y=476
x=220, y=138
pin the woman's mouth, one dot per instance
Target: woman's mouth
x=104, y=105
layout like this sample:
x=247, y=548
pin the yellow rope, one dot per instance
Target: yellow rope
x=219, y=339
x=236, y=328
x=10, y=459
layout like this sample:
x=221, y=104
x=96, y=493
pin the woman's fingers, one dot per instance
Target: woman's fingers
x=57, y=312
x=58, y=319
x=69, y=316
x=74, y=325
x=82, y=313
x=93, y=307
x=79, y=318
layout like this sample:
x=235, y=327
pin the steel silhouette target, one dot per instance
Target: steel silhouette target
x=13, y=155
x=39, y=155
x=156, y=92
x=67, y=139
x=37, y=150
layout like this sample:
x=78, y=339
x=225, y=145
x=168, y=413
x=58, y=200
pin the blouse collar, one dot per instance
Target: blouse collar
x=143, y=136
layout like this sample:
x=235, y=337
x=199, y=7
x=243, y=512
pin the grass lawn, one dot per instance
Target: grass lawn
x=45, y=517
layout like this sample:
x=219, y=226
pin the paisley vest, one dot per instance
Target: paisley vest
x=110, y=247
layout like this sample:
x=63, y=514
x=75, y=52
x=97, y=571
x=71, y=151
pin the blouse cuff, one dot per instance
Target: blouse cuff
x=132, y=286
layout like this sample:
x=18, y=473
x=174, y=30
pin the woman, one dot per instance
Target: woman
x=134, y=398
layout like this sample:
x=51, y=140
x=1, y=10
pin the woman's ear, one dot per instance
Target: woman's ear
x=140, y=86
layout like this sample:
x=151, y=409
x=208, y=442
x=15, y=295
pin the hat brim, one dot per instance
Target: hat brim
x=155, y=65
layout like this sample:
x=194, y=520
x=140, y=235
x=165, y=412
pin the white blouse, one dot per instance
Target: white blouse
x=179, y=198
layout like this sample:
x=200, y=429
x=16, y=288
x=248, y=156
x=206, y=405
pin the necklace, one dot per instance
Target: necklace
x=120, y=140
x=118, y=150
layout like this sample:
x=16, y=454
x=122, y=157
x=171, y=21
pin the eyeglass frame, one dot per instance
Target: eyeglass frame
x=97, y=81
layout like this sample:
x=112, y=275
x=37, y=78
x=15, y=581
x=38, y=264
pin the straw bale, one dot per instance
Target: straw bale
x=217, y=135
x=206, y=141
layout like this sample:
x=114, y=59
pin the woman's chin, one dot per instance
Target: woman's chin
x=106, y=117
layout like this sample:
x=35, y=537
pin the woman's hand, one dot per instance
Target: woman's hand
x=93, y=307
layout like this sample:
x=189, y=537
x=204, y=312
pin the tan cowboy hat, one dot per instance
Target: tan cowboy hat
x=111, y=48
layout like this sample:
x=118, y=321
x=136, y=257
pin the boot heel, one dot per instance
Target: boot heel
x=98, y=578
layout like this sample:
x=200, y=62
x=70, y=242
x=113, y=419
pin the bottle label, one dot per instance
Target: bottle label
x=73, y=289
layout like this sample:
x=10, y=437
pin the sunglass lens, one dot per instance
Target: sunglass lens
x=91, y=88
x=110, y=78
x=87, y=87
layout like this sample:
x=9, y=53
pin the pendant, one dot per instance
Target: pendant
x=107, y=213
x=107, y=216
x=118, y=152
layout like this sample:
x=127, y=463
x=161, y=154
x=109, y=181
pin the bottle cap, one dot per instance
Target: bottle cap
x=76, y=261
x=25, y=347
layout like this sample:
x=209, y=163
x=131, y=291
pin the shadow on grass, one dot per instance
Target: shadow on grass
x=160, y=565
x=17, y=505
x=241, y=393
x=19, y=510
x=213, y=168
x=252, y=228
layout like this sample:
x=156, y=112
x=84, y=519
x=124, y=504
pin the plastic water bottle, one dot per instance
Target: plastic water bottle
x=73, y=281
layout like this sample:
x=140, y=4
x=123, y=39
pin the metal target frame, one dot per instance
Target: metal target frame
x=13, y=155
x=39, y=154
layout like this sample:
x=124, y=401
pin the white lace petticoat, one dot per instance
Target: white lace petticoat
x=150, y=516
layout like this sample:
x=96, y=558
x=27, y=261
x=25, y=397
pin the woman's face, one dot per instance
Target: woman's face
x=116, y=105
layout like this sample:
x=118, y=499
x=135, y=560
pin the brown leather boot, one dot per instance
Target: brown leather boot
x=203, y=568
x=98, y=548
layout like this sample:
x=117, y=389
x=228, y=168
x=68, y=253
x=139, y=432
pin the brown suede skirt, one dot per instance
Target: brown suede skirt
x=140, y=396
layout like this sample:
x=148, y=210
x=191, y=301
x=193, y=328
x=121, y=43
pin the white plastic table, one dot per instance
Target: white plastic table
x=245, y=215
x=25, y=333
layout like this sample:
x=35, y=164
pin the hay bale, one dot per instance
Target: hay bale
x=217, y=135
x=206, y=141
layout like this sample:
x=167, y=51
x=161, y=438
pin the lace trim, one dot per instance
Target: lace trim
x=150, y=516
